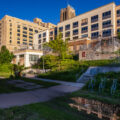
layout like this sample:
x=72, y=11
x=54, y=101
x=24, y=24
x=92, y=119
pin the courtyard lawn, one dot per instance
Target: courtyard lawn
x=7, y=88
x=44, y=84
x=57, y=109
x=11, y=88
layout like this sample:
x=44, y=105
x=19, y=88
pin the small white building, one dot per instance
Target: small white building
x=27, y=57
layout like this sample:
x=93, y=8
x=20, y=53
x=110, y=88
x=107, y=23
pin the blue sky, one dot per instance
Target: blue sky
x=47, y=10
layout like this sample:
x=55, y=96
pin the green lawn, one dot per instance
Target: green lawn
x=44, y=84
x=57, y=109
x=5, y=70
x=8, y=88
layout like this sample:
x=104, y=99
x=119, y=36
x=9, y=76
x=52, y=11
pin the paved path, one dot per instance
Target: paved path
x=39, y=95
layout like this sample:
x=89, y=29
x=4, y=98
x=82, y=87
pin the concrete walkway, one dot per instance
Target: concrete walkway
x=39, y=95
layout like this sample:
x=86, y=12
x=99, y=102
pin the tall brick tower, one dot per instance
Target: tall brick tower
x=67, y=13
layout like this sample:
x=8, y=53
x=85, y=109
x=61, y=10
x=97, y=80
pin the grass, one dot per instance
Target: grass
x=72, y=70
x=9, y=88
x=43, y=83
x=57, y=109
x=5, y=70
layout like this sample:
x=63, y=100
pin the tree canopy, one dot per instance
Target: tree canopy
x=59, y=46
x=5, y=55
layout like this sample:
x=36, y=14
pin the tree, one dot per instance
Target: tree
x=59, y=46
x=5, y=55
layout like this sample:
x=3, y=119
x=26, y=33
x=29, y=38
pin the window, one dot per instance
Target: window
x=18, y=42
x=76, y=37
x=75, y=24
x=95, y=35
x=10, y=24
x=106, y=15
x=10, y=33
x=67, y=34
x=39, y=41
x=75, y=32
x=107, y=24
x=30, y=29
x=10, y=41
x=51, y=33
x=84, y=29
x=30, y=33
x=25, y=28
x=24, y=35
x=118, y=13
x=18, y=38
x=31, y=37
x=18, y=34
x=118, y=30
x=24, y=39
x=18, y=30
x=94, y=27
x=44, y=34
x=94, y=18
x=39, y=35
x=51, y=38
x=44, y=40
x=85, y=35
x=18, y=26
x=30, y=41
x=24, y=32
x=36, y=31
x=107, y=33
x=67, y=27
x=33, y=58
x=24, y=43
x=30, y=44
x=118, y=22
x=60, y=29
x=84, y=22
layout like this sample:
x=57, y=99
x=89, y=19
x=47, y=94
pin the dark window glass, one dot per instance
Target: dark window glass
x=67, y=27
x=24, y=39
x=31, y=37
x=24, y=32
x=30, y=29
x=94, y=18
x=30, y=33
x=24, y=43
x=106, y=14
x=75, y=24
x=25, y=28
x=95, y=35
x=94, y=27
x=60, y=29
x=18, y=26
x=107, y=33
x=18, y=34
x=24, y=35
x=118, y=22
x=18, y=30
x=36, y=31
x=67, y=34
x=18, y=42
x=44, y=34
x=118, y=30
x=118, y=12
x=39, y=41
x=107, y=24
x=44, y=40
x=75, y=32
x=39, y=35
x=51, y=33
x=84, y=29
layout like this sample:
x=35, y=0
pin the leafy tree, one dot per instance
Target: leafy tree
x=59, y=46
x=5, y=55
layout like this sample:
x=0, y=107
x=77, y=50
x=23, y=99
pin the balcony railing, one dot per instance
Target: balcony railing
x=93, y=29
x=94, y=20
x=106, y=17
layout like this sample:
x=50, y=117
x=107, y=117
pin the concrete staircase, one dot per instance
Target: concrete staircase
x=92, y=71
